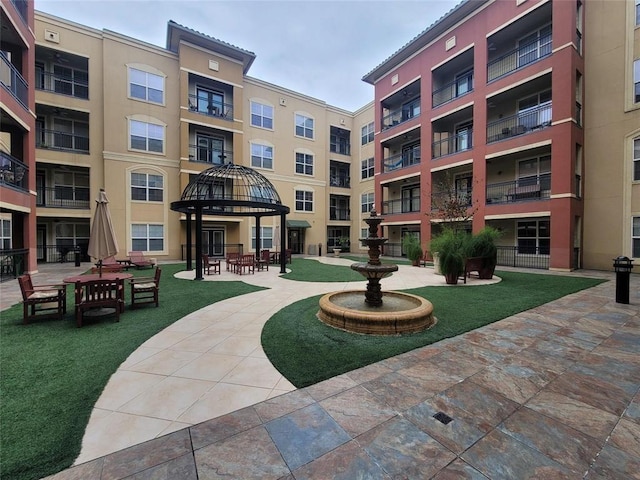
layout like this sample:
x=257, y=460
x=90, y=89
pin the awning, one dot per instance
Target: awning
x=298, y=224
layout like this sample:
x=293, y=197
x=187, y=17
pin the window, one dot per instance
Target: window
x=534, y=46
x=366, y=202
x=261, y=156
x=5, y=234
x=211, y=103
x=637, y=12
x=304, y=201
x=410, y=109
x=146, y=187
x=411, y=199
x=261, y=115
x=146, y=136
x=70, y=134
x=636, y=81
x=304, y=163
x=535, y=111
x=339, y=208
x=71, y=187
x=146, y=86
x=68, y=235
x=364, y=233
x=69, y=81
x=534, y=237
x=367, y=134
x=636, y=238
x=335, y=236
x=367, y=168
x=464, y=83
x=266, y=238
x=210, y=149
x=304, y=126
x=147, y=237
x=535, y=171
x=636, y=159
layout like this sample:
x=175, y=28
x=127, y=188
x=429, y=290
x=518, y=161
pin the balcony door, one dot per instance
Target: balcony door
x=534, y=46
x=210, y=102
x=535, y=111
x=463, y=136
x=464, y=82
x=410, y=154
x=210, y=149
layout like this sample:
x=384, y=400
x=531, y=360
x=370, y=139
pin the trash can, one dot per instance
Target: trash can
x=76, y=255
x=319, y=249
x=622, y=266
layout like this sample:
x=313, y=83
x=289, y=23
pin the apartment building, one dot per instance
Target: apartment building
x=142, y=121
x=17, y=126
x=612, y=132
x=487, y=102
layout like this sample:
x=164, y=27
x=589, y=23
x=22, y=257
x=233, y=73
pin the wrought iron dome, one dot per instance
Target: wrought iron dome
x=231, y=190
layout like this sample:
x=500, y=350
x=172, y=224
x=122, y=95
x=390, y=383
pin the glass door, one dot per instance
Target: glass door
x=210, y=102
x=210, y=149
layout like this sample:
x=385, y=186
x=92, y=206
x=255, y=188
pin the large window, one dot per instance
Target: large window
x=366, y=202
x=304, y=201
x=69, y=81
x=304, y=163
x=146, y=187
x=146, y=136
x=261, y=115
x=147, y=237
x=636, y=81
x=367, y=133
x=534, y=237
x=266, y=238
x=411, y=199
x=146, y=86
x=304, y=126
x=635, y=238
x=535, y=111
x=5, y=234
x=68, y=235
x=636, y=159
x=70, y=134
x=535, y=171
x=534, y=46
x=261, y=156
x=367, y=168
x=71, y=186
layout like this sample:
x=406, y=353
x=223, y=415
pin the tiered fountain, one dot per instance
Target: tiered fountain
x=373, y=311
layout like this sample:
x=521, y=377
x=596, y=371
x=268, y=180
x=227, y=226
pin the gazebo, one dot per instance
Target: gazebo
x=229, y=190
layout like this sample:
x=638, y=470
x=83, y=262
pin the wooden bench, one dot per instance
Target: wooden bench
x=209, y=264
x=99, y=294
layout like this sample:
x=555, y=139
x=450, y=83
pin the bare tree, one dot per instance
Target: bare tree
x=450, y=205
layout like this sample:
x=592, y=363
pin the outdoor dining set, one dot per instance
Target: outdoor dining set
x=241, y=264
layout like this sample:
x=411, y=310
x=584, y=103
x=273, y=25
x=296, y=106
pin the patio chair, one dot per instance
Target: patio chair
x=101, y=297
x=246, y=263
x=287, y=254
x=51, y=299
x=209, y=264
x=145, y=290
x=232, y=260
x=138, y=260
x=109, y=264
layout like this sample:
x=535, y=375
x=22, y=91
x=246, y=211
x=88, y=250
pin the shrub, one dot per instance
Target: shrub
x=411, y=246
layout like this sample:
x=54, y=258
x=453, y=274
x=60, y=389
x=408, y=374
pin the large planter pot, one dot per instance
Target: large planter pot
x=486, y=272
x=436, y=263
x=451, y=278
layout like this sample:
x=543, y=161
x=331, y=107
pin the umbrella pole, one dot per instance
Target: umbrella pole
x=100, y=268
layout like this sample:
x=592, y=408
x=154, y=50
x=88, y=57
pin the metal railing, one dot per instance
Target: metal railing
x=530, y=257
x=12, y=263
x=516, y=59
x=452, y=90
x=63, y=197
x=210, y=155
x=58, y=140
x=339, y=214
x=459, y=142
x=522, y=190
x=523, y=122
x=396, y=117
x=64, y=85
x=393, y=207
x=62, y=254
x=400, y=160
x=217, y=110
x=11, y=79
x=391, y=249
x=343, y=181
x=13, y=172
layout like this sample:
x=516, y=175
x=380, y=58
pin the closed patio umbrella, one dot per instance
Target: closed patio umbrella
x=102, y=242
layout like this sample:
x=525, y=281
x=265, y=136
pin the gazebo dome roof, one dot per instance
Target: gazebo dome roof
x=232, y=190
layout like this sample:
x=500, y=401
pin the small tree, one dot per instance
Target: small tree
x=449, y=205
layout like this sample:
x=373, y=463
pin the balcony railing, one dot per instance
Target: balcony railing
x=12, y=263
x=401, y=160
x=396, y=117
x=11, y=79
x=341, y=147
x=58, y=140
x=446, y=200
x=214, y=109
x=77, y=87
x=517, y=58
x=343, y=181
x=394, y=207
x=210, y=155
x=525, y=189
x=340, y=214
x=453, y=144
x=457, y=88
x=13, y=172
x=63, y=197
x=526, y=121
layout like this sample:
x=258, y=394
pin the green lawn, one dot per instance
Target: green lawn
x=52, y=373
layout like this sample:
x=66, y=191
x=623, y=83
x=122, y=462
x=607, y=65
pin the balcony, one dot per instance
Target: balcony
x=399, y=206
x=340, y=214
x=61, y=140
x=63, y=197
x=401, y=115
x=13, y=173
x=455, y=89
x=526, y=121
x=211, y=156
x=524, y=189
x=401, y=160
x=215, y=109
x=339, y=174
x=11, y=79
x=71, y=82
x=343, y=181
x=402, y=106
x=453, y=143
x=340, y=141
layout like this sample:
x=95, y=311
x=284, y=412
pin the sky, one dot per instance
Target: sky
x=319, y=48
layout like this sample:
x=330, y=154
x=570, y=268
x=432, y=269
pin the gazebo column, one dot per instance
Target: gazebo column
x=283, y=237
x=258, y=244
x=199, y=243
x=189, y=240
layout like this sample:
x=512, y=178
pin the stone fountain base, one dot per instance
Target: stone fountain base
x=399, y=313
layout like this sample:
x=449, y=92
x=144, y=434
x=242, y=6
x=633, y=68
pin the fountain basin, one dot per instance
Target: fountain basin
x=399, y=313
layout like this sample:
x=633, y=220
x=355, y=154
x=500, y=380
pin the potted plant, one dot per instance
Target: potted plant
x=450, y=248
x=482, y=247
x=412, y=248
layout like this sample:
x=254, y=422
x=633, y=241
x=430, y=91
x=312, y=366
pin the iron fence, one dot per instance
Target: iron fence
x=12, y=263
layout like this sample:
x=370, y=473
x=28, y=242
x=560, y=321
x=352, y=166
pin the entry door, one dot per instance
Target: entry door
x=296, y=240
x=41, y=242
x=213, y=242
